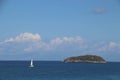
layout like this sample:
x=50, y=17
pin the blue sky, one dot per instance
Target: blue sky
x=54, y=24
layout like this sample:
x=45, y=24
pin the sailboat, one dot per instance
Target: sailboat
x=31, y=63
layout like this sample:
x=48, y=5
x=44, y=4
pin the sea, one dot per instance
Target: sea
x=56, y=70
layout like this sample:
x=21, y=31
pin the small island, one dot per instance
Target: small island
x=86, y=58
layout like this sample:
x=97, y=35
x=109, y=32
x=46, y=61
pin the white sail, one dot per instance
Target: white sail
x=31, y=64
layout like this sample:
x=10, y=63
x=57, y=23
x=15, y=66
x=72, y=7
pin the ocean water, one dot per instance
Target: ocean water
x=55, y=70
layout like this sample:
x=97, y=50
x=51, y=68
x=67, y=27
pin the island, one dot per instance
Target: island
x=86, y=58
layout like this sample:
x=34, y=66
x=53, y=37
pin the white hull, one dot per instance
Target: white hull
x=31, y=66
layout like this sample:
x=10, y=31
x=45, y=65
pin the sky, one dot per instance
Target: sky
x=57, y=29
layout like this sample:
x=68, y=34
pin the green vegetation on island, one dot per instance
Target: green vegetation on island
x=86, y=58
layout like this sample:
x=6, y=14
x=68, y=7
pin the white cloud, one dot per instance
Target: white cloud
x=70, y=40
x=99, y=10
x=37, y=46
x=32, y=42
x=24, y=37
x=28, y=42
x=66, y=42
x=106, y=47
x=28, y=49
x=113, y=45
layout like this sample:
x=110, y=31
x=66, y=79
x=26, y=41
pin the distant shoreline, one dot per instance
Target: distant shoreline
x=51, y=61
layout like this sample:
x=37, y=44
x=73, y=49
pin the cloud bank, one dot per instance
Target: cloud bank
x=29, y=42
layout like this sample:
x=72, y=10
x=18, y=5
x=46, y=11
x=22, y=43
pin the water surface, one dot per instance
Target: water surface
x=55, y=70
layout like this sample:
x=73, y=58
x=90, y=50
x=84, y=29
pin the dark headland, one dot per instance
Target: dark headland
x=86, y=58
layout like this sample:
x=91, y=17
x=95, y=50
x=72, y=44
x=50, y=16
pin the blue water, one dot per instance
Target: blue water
x=51, y=70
